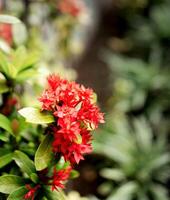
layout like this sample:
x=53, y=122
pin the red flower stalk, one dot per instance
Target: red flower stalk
x=75, y=112
x=59, y=177
x=31, y=193
x=71, y=7
x=6, y=33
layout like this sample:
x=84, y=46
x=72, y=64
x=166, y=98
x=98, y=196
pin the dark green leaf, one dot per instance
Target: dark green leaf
x=9, y=183
x=44, y=153
x=5, y=159
x=24, y=162
x=35, y=116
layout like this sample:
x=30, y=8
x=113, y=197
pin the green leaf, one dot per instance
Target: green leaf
x=125, y=192
x=24, y=162
x=113, y=174
x=35, y=116
x=18, y=194
x=5, y=159
x=143, y=134
x=74, y=174
x=4, y=151
x=26, y=74
x=3, y=87
x=43, y=154
x=159, y=192
x=4, y=137
x=34, y=177
x=54, y=195
x=9, y=183
x=7, y=19
x=4, y=64
x=5, y=124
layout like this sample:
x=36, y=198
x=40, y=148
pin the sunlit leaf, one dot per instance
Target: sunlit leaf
x=35, y=116
x=9, y=183
x=18, y=194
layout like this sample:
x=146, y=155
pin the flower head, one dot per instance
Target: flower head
x=75, y=112
x=59, y=177
x=31, y=193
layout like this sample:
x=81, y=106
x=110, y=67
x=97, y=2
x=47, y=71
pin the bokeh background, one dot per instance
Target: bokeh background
x=121, y=49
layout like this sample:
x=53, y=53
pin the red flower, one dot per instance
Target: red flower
x=71, y=7
x=31, y=193
x=6, y=33
x=73, y=151
x=75, y=113
x=59, y=177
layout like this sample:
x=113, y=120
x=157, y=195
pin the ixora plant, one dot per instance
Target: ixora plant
x=39, y=146
x=68, y=110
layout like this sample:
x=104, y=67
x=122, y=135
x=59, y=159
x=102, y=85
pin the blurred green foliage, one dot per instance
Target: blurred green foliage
x=135, y=136
x=140, y=161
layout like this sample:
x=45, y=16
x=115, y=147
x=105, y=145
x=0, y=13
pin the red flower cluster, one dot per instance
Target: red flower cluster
x=75, y=112
x=6, y=33
x=59, y=177
x=31, y=193
x=71, y=7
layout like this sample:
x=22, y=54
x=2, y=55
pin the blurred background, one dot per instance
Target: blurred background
x=121, y=49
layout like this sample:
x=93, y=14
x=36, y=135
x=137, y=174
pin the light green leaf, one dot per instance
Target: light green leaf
x=143, y=134
x=23, y=59
x=26, y=74
x=5, y=124
x=159, y=192
x=7, y=19
x=35, y=116
x=113, y=174
x=43, y=154
x=4, y=64
x=9, y=183
x=24, y=162
x=31, y=59
x=5, y=159
x=125, y=192
x=18, y=194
